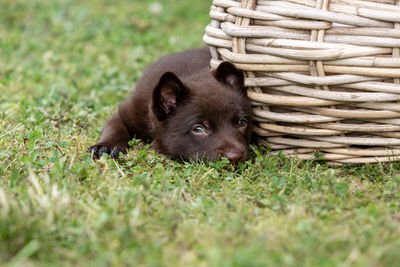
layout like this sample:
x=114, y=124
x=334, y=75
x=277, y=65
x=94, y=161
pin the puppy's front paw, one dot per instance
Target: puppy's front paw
x=97, y=150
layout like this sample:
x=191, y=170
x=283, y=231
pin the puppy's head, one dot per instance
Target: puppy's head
x=204, y=116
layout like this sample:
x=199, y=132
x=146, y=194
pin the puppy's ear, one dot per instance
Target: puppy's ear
x=167, y=95
x=230, y=76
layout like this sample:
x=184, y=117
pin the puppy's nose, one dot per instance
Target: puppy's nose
x=233, y=156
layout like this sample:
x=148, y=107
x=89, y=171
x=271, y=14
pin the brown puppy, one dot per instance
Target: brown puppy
x=186, y=110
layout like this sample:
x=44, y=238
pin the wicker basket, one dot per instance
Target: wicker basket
x=324, y=76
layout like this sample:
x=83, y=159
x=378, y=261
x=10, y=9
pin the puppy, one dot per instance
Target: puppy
x=186, y=110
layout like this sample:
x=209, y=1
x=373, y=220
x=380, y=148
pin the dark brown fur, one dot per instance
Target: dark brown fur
x=186, y=110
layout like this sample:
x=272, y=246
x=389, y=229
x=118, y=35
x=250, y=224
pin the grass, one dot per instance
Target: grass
x=64, y=67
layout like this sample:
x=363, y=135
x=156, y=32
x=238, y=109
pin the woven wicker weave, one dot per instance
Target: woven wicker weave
x=323, y=75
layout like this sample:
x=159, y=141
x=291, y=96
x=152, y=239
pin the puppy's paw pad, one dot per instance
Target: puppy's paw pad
x=104, y=149
x=97, y=150
x=115, y=152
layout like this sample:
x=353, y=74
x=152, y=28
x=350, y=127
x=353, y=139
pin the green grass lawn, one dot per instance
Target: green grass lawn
x=64, y=67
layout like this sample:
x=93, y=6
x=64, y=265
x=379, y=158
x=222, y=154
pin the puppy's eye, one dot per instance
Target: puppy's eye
x=242, y=123
x=199, y=129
